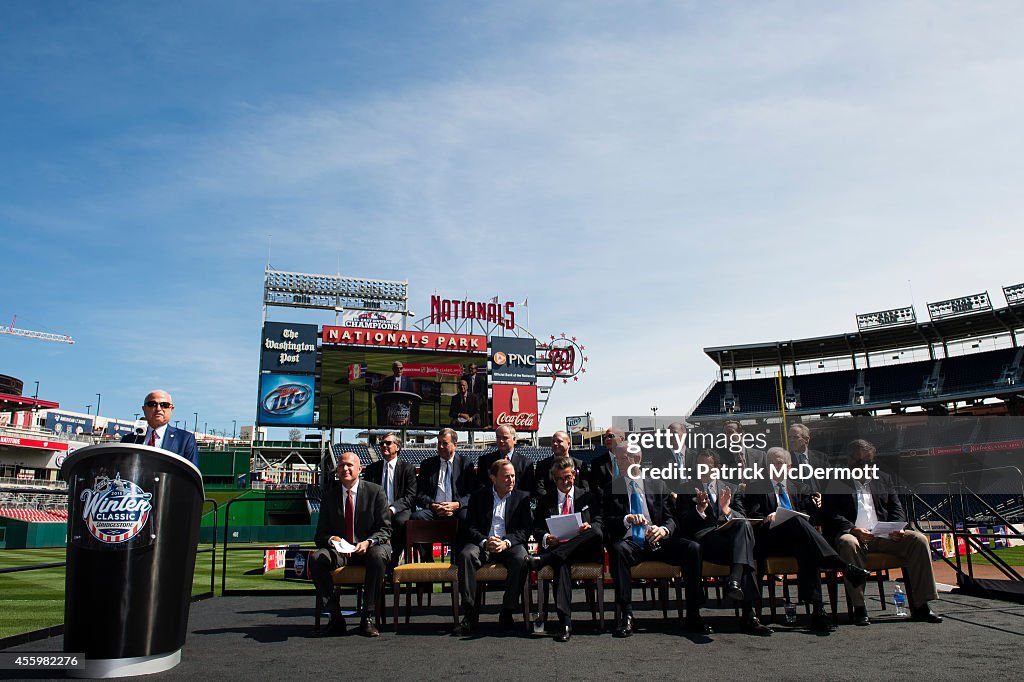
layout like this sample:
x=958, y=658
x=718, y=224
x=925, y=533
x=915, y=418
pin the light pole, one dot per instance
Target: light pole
x=234, y=426
x=196, y=427
x=206, y=427
x=655, y=411
x=88, y=409
x=36, y=395
x=98, y=398
x=137, y=418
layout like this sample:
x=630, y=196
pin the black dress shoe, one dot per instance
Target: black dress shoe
x=860, y=616
x=752, y=626
x=534, y=562
x=697, y=626
x=733, y=590
x=625, y=628
x=334, y=628
x=564, y=633
x=465, y=627
x=857, y=576
x=368, y=627
x=821, y=623
x=924, y=614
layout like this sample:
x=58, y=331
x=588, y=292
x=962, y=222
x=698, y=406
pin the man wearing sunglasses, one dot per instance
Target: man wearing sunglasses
x=158, y=408
x=398, y=480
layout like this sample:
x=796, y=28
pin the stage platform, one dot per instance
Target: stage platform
x=271, y=637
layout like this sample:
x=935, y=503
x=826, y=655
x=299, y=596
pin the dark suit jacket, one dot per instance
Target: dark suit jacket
x=372, y=520
x=761, y=499
x=479, y=387
x=471, y=407
x=691, y=525
x=839, y=506
x=178, y=441
x=615, y=507
x=405, y=483
x=388, y=384
x=542, y=476
x=602, y=471
x=463, y=478
x=584, y=502
x=753, y=455
x=518, y=517
x=521, y=463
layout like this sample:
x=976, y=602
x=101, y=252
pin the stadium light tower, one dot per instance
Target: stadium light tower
x=234, y=425
x=655, y=411
x=196, y=427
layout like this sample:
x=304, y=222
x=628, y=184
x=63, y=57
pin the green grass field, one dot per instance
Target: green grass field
x=1011, y=555
x=31, y=600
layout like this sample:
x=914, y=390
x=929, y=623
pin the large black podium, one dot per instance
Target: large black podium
x=133, y=525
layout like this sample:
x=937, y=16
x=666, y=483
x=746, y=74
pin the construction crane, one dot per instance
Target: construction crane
x=29, y=334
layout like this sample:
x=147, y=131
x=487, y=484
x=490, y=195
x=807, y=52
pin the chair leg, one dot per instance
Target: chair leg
x=833, y=594
x=394, y=602
x=881, y=587
x=679, y=596
x=318, y=609
x=663, y=593
x=771, y=596
x=526, y=607
x=542, y=602
x=600, y=603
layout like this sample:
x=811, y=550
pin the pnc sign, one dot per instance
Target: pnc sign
x=513, y=360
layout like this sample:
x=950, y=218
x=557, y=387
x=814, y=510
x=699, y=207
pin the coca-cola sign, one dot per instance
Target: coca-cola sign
x=515, y=405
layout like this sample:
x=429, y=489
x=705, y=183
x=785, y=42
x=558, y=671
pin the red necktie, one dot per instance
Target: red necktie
x=398, y=384
x=565, y=505
x=152, y=439
x=350, y=518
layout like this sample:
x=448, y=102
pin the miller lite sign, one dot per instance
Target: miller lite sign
x=286, y=400
x=115, y=511
x=515, y=405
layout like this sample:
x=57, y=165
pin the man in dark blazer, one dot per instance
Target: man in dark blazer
x=357, y=512
x=560, y=446
x=850, y=510
x=464, y=411
x=158, y=408
x=497, y=529
x=736, y=453
x=505, y=439
x=799, y=447
x=639, y=526
x=445, y=481
x=567, y=498
x=795, y=537
x=395, y=382
x=398, y=480
x=725, y=537
x=603, y=468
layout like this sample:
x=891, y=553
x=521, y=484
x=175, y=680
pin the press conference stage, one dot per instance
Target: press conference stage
x=270, y=637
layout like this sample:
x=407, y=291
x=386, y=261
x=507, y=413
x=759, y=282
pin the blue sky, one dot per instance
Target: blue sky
x=655, y=177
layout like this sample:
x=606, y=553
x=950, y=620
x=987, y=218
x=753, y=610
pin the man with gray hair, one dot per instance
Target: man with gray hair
x=398, y=479
x=505, y=440
x=561, y=443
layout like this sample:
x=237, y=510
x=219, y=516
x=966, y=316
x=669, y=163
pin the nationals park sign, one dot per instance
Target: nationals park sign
x=355, y=336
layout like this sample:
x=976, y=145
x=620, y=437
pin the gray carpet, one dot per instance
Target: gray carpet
x=261, y=637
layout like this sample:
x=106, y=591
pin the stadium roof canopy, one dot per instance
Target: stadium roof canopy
x=17, y=402
x=961, y=328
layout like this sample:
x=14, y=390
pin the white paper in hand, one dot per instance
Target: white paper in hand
x=782, y=515
x=565, y=526
x=883, y=528
x=343, y=546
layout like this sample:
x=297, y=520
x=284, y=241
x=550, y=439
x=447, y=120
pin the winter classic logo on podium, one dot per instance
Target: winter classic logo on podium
x=116, y=510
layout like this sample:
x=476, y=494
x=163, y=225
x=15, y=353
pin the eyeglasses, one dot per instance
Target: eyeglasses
x=608, y=435
x=565, y=479
x=389, y=442
x=153, y=403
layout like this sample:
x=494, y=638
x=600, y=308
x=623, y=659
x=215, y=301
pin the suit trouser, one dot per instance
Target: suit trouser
x=471, y=557
x=915, y=556
x=325, y=560
x=624, y=554
x=584, y=547
x=731, y=545
x=398, y=537
x=798, y=538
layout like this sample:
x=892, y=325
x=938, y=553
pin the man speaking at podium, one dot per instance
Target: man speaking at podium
x=158, y=408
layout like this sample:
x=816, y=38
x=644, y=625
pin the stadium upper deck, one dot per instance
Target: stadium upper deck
x=865, y=379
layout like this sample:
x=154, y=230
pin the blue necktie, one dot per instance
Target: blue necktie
x=636, y=506
x=784, y=498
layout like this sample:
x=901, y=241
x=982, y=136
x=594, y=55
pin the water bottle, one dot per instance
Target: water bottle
x=899, y=600
x=790, y=613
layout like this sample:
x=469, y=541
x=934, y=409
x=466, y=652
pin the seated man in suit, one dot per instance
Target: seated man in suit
x=799, y=447
x=497, y=529
x=850, y=509
x=704, y=518
x=445, y=482
x=737, y=453
x=357, y=512
x=398, y=479
x=158, y=408
x=465, y=408
x=560, y=445
x=505, y=439
x=567, y=498
x=795, y=537
x=639, y=526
